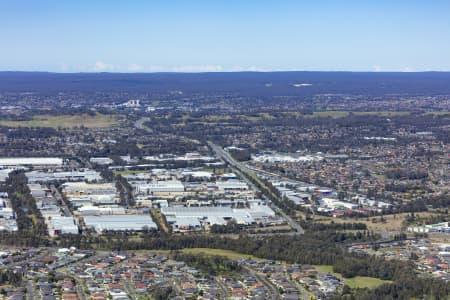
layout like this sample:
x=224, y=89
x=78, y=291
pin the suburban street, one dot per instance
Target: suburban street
x=273, y=290
x=30, y=290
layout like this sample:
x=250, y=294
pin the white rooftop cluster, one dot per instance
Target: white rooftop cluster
x=168, y=186
x=4, y=173
x=31, y=161
x=187, y=157
x=7, y=216
x=120, y=223
x=62, y=225
x=82, y=193
x=271, y=158
x=195, y=218
x=82, y=175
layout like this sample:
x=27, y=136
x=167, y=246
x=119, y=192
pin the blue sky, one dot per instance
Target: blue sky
x=175, y=35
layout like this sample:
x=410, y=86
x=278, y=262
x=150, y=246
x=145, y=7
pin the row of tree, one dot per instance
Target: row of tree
x=28, y=216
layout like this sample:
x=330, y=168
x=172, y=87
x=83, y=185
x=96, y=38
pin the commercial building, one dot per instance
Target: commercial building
x=195, y=218
x=4, y=173
x=101, y=160
x=438, y=227
x=232, y=185
x=82, y=193
x=101, y=210
x=83, y=188
x=82, y=175
x=120, y=223
x=62, y=225
x=162, y=187
x=335, y=204
x=31, y=161
x=6, y=212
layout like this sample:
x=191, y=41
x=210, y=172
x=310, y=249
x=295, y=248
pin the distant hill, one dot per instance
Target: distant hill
x=242, y=83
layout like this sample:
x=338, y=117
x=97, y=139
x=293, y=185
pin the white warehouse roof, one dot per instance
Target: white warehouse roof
x=119, y=222
x=34, y=161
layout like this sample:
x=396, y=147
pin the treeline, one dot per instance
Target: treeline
x=439, y=201
x=335, y=226
x=229, y=227
x=29, y=132
x=208, y=264
x=24, y=239
x=28, y=216
x=405, y=287
x=240, y=154
x=125, y=191
x=314, y=247
x=10, y=277
x=287, y=205
x=398, y=173
x=358, y=265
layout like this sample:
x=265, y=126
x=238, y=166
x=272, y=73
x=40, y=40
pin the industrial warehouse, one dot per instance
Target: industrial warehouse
x=120, y=223
x=198, y=218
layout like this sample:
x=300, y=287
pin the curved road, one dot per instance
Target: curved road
x=139, y=124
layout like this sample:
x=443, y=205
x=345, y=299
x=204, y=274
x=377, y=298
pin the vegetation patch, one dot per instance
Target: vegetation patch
x=219, y=252
x=354, y=282
x=382, y=113
x=66, y=121
x=329, y=113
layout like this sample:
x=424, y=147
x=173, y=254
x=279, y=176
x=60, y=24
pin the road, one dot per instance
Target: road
x=242, y=170
x=224, y=289
x=139, y=124
x=80, y=289
x=30, y=290
x=59, y=197
x=129, y=289
x=273, y=289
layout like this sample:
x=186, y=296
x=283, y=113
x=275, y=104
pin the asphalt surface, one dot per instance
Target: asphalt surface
x=30, y=290
x=273, y=290
x=139, y=124
x=59, y=197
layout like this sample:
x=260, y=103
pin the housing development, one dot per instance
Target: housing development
x=244, y=186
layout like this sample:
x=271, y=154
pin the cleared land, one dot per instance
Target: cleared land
x=392, y=222
x=66, y=121
x=220, y=252
x=355, y=282
x=207, y=251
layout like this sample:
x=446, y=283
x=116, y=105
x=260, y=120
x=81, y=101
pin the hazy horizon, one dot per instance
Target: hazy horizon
x=224, y=36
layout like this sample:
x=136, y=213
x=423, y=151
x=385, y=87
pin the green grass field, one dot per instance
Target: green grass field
x=126, y=172
x=382, y=113
x=220, y=252
x=66, y=121
x=207, y=251
x=328, y=113
x=438, y=113
x=355, y=282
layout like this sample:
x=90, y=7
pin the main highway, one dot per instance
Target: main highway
x=242, y=170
